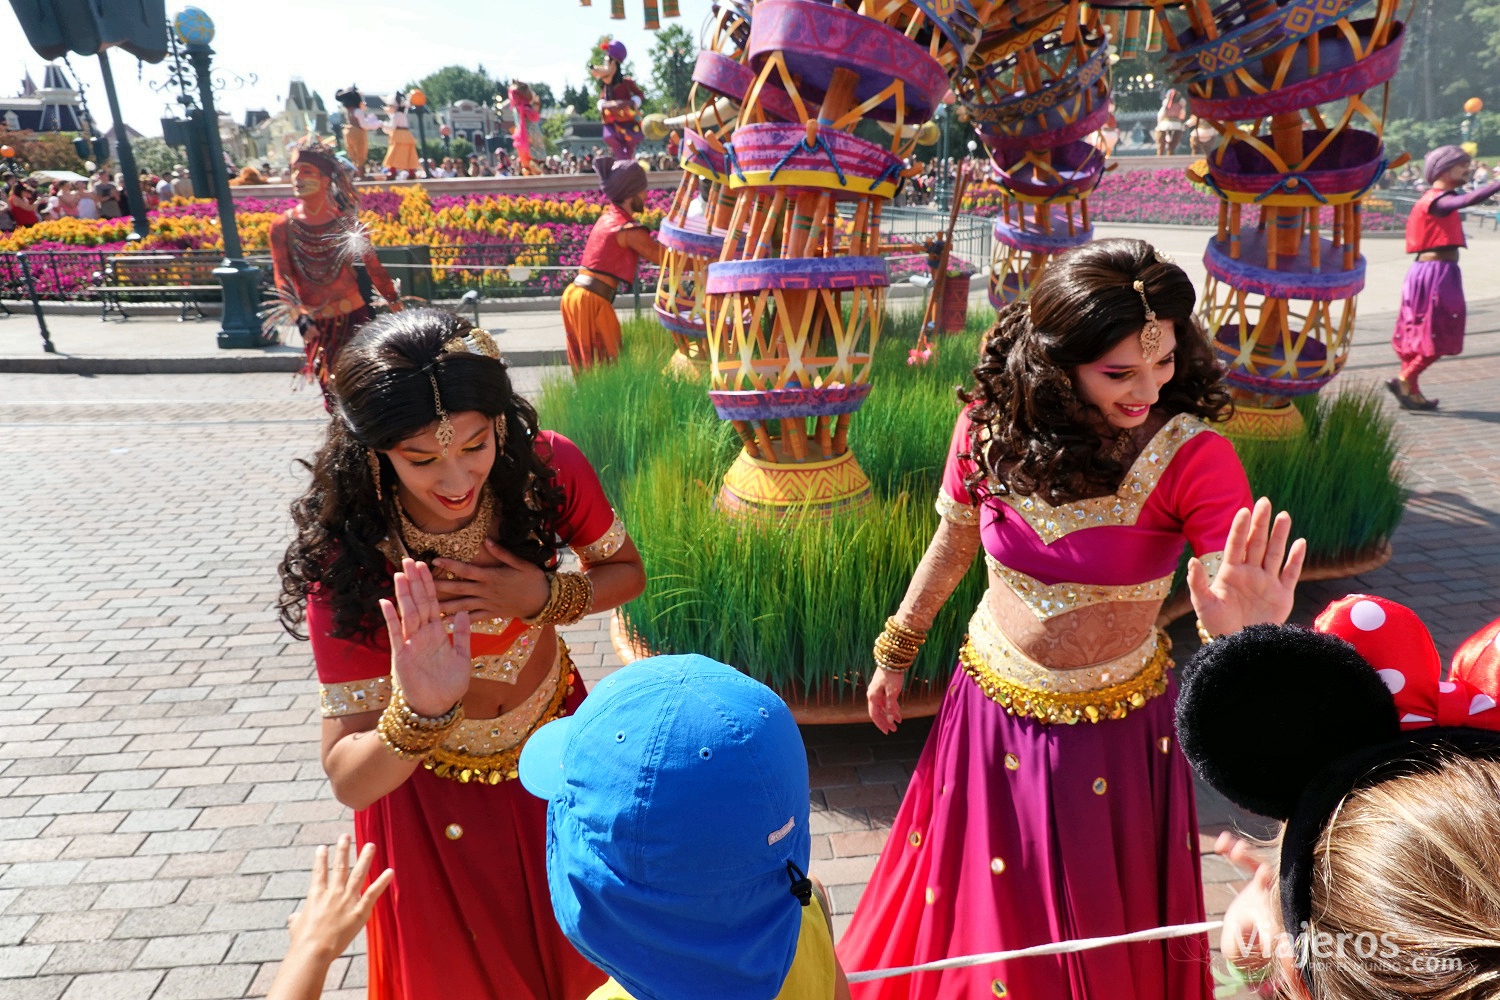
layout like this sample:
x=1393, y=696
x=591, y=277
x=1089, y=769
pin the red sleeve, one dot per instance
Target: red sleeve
x=587, y=513
x=957, y=470
x=341, y=660
x=1208, y=488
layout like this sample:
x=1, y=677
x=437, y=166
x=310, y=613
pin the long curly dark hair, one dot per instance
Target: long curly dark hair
x=381, y=395
x=1033, y=434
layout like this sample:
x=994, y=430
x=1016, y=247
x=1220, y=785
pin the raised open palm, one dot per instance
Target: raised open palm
x=1258, y=579
x=431, y=667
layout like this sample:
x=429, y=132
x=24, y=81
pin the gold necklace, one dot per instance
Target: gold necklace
x=461, y=545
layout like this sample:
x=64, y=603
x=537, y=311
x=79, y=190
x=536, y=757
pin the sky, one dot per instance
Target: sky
x=377, y=45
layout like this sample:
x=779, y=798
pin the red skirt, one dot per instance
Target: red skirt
x=469, y=915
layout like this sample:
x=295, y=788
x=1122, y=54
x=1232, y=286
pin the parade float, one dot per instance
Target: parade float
x=786, y=564
x=1280, y=298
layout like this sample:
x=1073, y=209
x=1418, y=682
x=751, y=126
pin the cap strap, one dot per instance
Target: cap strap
x=801, y=884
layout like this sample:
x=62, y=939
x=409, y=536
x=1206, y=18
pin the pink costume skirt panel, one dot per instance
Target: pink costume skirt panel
x=469, y=916
x=1433, y=311
x=1016, y=833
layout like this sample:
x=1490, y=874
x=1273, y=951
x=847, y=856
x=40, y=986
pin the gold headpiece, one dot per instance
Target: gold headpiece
x=445, y=426
x=476, y=341
x=1151, y=332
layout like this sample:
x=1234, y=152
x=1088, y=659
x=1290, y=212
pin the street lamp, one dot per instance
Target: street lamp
x=418, y=102
x=240, y=326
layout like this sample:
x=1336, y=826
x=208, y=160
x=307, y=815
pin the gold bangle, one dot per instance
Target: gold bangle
x=897, y=646
x=1203, y=634
x=897, y=628
x=570, y=598
x=411, y=736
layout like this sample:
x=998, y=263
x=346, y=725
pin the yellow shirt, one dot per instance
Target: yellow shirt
x=812, y=975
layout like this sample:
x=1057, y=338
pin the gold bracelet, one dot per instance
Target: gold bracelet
x=892, y=625
x=411, y=736
x=1203, y=635
x=570, y=598
x=896, y=647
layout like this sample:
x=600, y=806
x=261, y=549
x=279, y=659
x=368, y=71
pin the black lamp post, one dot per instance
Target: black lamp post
x=132, y=177
x=418, y=102
x=241, y=281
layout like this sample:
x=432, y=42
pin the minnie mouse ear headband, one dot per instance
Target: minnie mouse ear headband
x=1352, y=702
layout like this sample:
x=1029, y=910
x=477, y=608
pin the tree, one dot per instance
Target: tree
x=580, y=100
x=544, y=94
x=41, y=150
x=672, y=59
x=154, y=156
x=457, y=83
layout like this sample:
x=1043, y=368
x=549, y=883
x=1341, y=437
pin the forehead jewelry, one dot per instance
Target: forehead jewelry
x=1150, y=333
x=445, y=426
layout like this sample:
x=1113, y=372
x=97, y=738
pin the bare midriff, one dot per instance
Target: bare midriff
x=1073, y=639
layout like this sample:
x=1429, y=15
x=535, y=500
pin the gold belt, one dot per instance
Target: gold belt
x=485, y=751
x=1023, y=687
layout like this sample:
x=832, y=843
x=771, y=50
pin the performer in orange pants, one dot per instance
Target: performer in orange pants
x=610, y=259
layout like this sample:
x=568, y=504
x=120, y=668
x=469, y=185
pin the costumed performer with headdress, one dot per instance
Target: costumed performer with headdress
x=1433, y=312
x=314, y=246
x=620, y=101
x=426, y=569
x=1050, y=802
x=401, y=154
x=358, y=123
x=611, y=258
x=526, y=135
x=1171, y=121
x=1386, y=880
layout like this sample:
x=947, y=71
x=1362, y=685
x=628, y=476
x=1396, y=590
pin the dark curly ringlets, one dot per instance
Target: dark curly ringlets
x=381, y=396
x=1033, y=434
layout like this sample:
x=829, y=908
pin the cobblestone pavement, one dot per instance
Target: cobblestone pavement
x=159, y=783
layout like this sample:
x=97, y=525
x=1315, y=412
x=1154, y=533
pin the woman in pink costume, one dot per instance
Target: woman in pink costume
x=1051, y=802
x=527, y=135
x=1433, y=310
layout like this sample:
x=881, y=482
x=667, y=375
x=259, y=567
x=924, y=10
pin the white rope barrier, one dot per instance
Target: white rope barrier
x=1055, y=948
x=438, y=265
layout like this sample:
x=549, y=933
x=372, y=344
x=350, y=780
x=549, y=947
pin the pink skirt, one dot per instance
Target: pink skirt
x=1016, y=833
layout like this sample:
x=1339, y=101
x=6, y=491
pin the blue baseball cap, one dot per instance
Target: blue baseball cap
x=678, y=794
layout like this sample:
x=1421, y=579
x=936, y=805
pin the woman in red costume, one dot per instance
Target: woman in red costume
x=1050, y=802
x=426, y=570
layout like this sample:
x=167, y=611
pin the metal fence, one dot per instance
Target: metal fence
x=973, y=236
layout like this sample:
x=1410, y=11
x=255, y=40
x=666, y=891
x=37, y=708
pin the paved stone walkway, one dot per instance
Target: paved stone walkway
x=160, y=791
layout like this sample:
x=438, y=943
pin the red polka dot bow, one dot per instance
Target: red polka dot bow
x=1393, y=640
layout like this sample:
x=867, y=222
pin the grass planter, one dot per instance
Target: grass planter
x=797, y=602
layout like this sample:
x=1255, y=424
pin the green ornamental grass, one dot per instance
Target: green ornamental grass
x=797, y=602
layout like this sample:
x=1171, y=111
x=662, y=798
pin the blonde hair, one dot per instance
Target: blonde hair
x=1412, y=862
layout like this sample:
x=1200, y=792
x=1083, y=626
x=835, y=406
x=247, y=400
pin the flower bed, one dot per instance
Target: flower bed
x=479, y=231
x=1166, y=197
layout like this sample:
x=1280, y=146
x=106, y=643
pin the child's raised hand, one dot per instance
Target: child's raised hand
x=1251, y=925
x=336, y=907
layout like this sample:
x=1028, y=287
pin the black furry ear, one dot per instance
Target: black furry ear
x=1263, y=711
